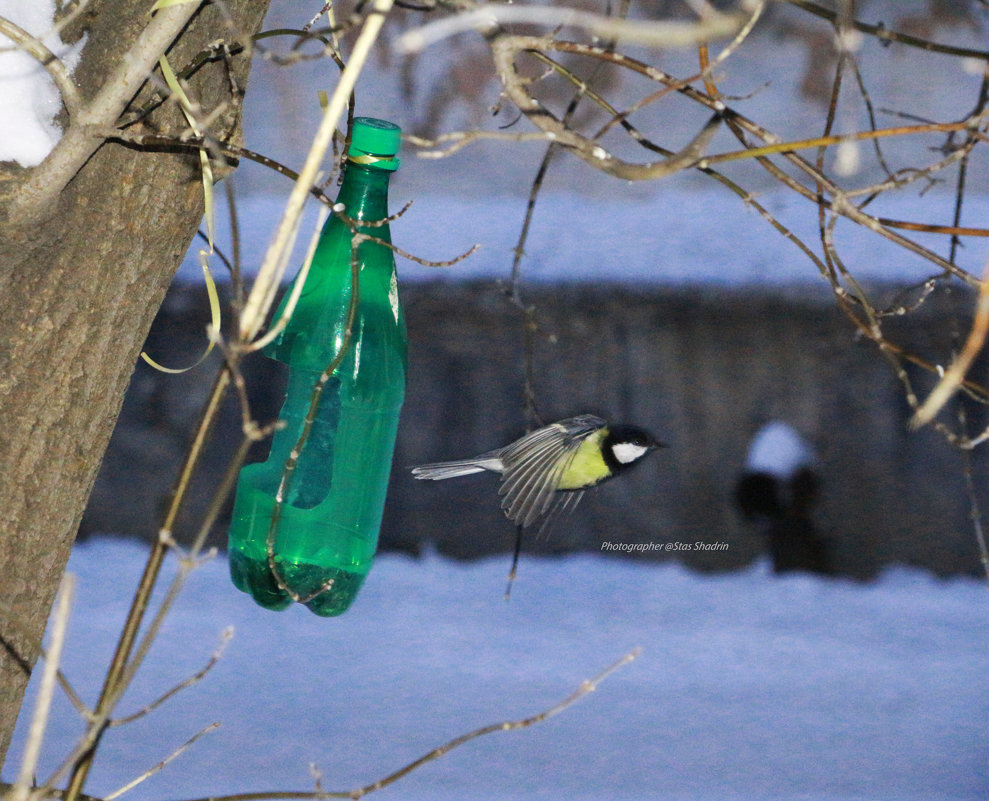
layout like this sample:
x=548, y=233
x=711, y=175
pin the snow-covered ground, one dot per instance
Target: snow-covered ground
x=681, y=237
x=749, y=686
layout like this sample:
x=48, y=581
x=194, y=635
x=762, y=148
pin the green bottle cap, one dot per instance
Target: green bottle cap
x=375, y=143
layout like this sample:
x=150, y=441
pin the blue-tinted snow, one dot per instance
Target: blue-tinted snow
x=682, y=237
x=749, y=686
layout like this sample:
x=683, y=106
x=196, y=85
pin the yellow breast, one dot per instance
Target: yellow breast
x=587, y=467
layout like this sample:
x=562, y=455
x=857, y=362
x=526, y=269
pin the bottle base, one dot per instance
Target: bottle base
x=255, y=578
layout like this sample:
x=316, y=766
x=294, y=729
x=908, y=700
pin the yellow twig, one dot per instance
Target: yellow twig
x=825, y=141
x=955, y=375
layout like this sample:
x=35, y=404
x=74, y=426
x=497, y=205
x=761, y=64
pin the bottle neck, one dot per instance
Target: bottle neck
x=364, y=192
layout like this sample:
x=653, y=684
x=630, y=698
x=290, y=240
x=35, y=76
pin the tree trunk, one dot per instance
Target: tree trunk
x=78, y=291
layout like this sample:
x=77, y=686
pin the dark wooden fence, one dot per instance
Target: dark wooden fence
x=704, y=370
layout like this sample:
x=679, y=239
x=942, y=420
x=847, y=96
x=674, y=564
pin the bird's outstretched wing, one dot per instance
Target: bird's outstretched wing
x=533, y=466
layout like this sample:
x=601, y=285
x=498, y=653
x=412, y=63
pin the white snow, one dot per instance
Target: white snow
x=779, y=450
x=29, y=100
x=673, y=236
x=749, y=686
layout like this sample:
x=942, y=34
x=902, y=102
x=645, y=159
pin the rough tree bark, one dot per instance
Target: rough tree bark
x=78, y=290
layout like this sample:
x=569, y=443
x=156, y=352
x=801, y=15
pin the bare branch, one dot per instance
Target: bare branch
x=490, y=16
x=39, y=721
x=270, y=274
x=585, y=688
x=461, y=139
x=195, y=678
x=52, y=63
x=46, y=181
x=156, y=768
x=353, y=223
x=885, y=35
x=504, y=49
x=952, y=379
x=975, y=509
x=63, y=21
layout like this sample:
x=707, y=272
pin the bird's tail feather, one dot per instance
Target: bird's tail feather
x=461, y=467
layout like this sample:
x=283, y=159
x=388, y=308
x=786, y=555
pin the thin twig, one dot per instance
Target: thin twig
x=705, y=75
x=954, y=375
x=505, y=48
x=975, y=509
x=425, y=262
x=586, y=687
x=42, y=705
x=270, y=274
x=461, y=139
x=195, y=678
x=156, y=768
x=297, y=286
x=60, y=24
x=530, y=408
x=826, y=140
x=884, y=34
x=112, y=687
x=288, y=471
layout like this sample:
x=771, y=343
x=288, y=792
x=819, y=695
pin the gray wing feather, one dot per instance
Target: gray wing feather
x=531, y=486
x=533, y=466
x=566, y=502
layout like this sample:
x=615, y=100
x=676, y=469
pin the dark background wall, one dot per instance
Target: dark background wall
x=704, y=370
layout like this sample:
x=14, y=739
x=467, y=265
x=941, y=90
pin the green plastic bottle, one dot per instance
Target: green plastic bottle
x=327, y=534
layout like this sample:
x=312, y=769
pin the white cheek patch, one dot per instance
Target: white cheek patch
x=627, y=452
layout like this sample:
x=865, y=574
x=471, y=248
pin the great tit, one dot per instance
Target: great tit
x=546, y=471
